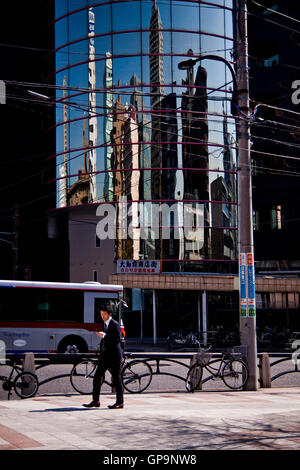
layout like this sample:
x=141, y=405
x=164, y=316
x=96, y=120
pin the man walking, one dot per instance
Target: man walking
x=110, y=358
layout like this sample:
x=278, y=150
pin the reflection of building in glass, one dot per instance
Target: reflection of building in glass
x=144, y=125
x=117, y=138
x=117, y=164
x=169, y=130
x=195, y=154
x=79, y=191
x=108, y=126
x=223, y=242
x=164, y=137
x=93, y=134
x=132, y=181
x=148, y=126
x=145, y=54
x=62, y=197
x=63, y=168
x=156, y=56
x=144, y=135
x=126, y=182
x=156, y=94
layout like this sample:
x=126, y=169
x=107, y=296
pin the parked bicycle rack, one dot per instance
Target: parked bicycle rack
x=42, y=360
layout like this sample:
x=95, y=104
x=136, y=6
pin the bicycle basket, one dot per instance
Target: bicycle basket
x=203, y=357
x=241, y=350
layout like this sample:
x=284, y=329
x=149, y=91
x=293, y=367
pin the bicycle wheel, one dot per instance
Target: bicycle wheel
x=26, y=385
x=136, y=376
x=194, y=377
x=82, y=376
x=235, y=373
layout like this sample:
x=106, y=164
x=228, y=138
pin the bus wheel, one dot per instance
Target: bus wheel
x=72, y=345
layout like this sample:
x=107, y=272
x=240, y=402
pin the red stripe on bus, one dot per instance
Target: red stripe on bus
x=39, y=324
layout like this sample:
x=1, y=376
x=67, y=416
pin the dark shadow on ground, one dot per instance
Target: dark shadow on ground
x=181, y=434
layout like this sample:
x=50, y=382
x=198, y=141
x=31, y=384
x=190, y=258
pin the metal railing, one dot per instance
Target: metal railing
x=289, y=358
x=157, y=362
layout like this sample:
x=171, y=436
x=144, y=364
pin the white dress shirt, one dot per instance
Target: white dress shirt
x=107, y=323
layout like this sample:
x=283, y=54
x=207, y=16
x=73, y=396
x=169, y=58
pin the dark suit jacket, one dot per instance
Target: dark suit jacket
x=110, y=346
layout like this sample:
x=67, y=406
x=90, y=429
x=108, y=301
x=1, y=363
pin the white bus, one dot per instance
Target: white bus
x=53, y=316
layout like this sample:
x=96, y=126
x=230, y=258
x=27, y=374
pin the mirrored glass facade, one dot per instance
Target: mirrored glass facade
x=142, y=127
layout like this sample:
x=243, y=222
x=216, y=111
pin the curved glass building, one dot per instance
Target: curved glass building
x=147, y=127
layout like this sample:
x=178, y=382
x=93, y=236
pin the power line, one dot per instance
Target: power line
x=279, y=142
x=274, y=171
x=168, y=111
x=91, y=147
x=37, y=49
x=101, y=200
x=265, y=123
x=176, y=110
x=114, y=90
x=259, y=104
x=276, y=12
x=107, y=171
x=154, y=144
x=108, y=143
x=279, y=64
x=274, y=22
x=94, y=114
x=275, y=155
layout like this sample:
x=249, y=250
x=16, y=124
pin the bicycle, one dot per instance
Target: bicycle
x=25, y=384
x=136, y=376
x=233, y=371
x=179, y=340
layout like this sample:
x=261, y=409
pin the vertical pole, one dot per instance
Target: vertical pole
x=247, y=292
x=204, y=316
x=16, y=243
x=199, y=315
x=2, y=92
x=154, y=315
x=142, y=327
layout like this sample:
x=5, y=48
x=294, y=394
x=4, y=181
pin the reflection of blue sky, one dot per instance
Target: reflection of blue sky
x=136, y=15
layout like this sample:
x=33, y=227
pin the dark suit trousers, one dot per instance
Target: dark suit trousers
x=115, y=370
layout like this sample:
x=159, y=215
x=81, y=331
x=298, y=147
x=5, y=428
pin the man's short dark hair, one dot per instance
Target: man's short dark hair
x=106, y=308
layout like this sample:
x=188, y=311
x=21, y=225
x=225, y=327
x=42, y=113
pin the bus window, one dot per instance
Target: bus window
x=65, y=306
x=6, y=303
x=26, y=304
x=17, y=304
x=39, y=305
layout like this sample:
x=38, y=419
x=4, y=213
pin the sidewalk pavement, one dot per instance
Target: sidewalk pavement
x=268, y=419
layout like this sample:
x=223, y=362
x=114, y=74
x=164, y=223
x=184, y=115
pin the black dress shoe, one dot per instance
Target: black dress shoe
x=116, y=406
x=93, y=404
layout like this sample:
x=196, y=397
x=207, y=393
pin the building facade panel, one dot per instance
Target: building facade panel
x=132, y=125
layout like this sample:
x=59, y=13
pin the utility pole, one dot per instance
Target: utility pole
x=246, y=251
